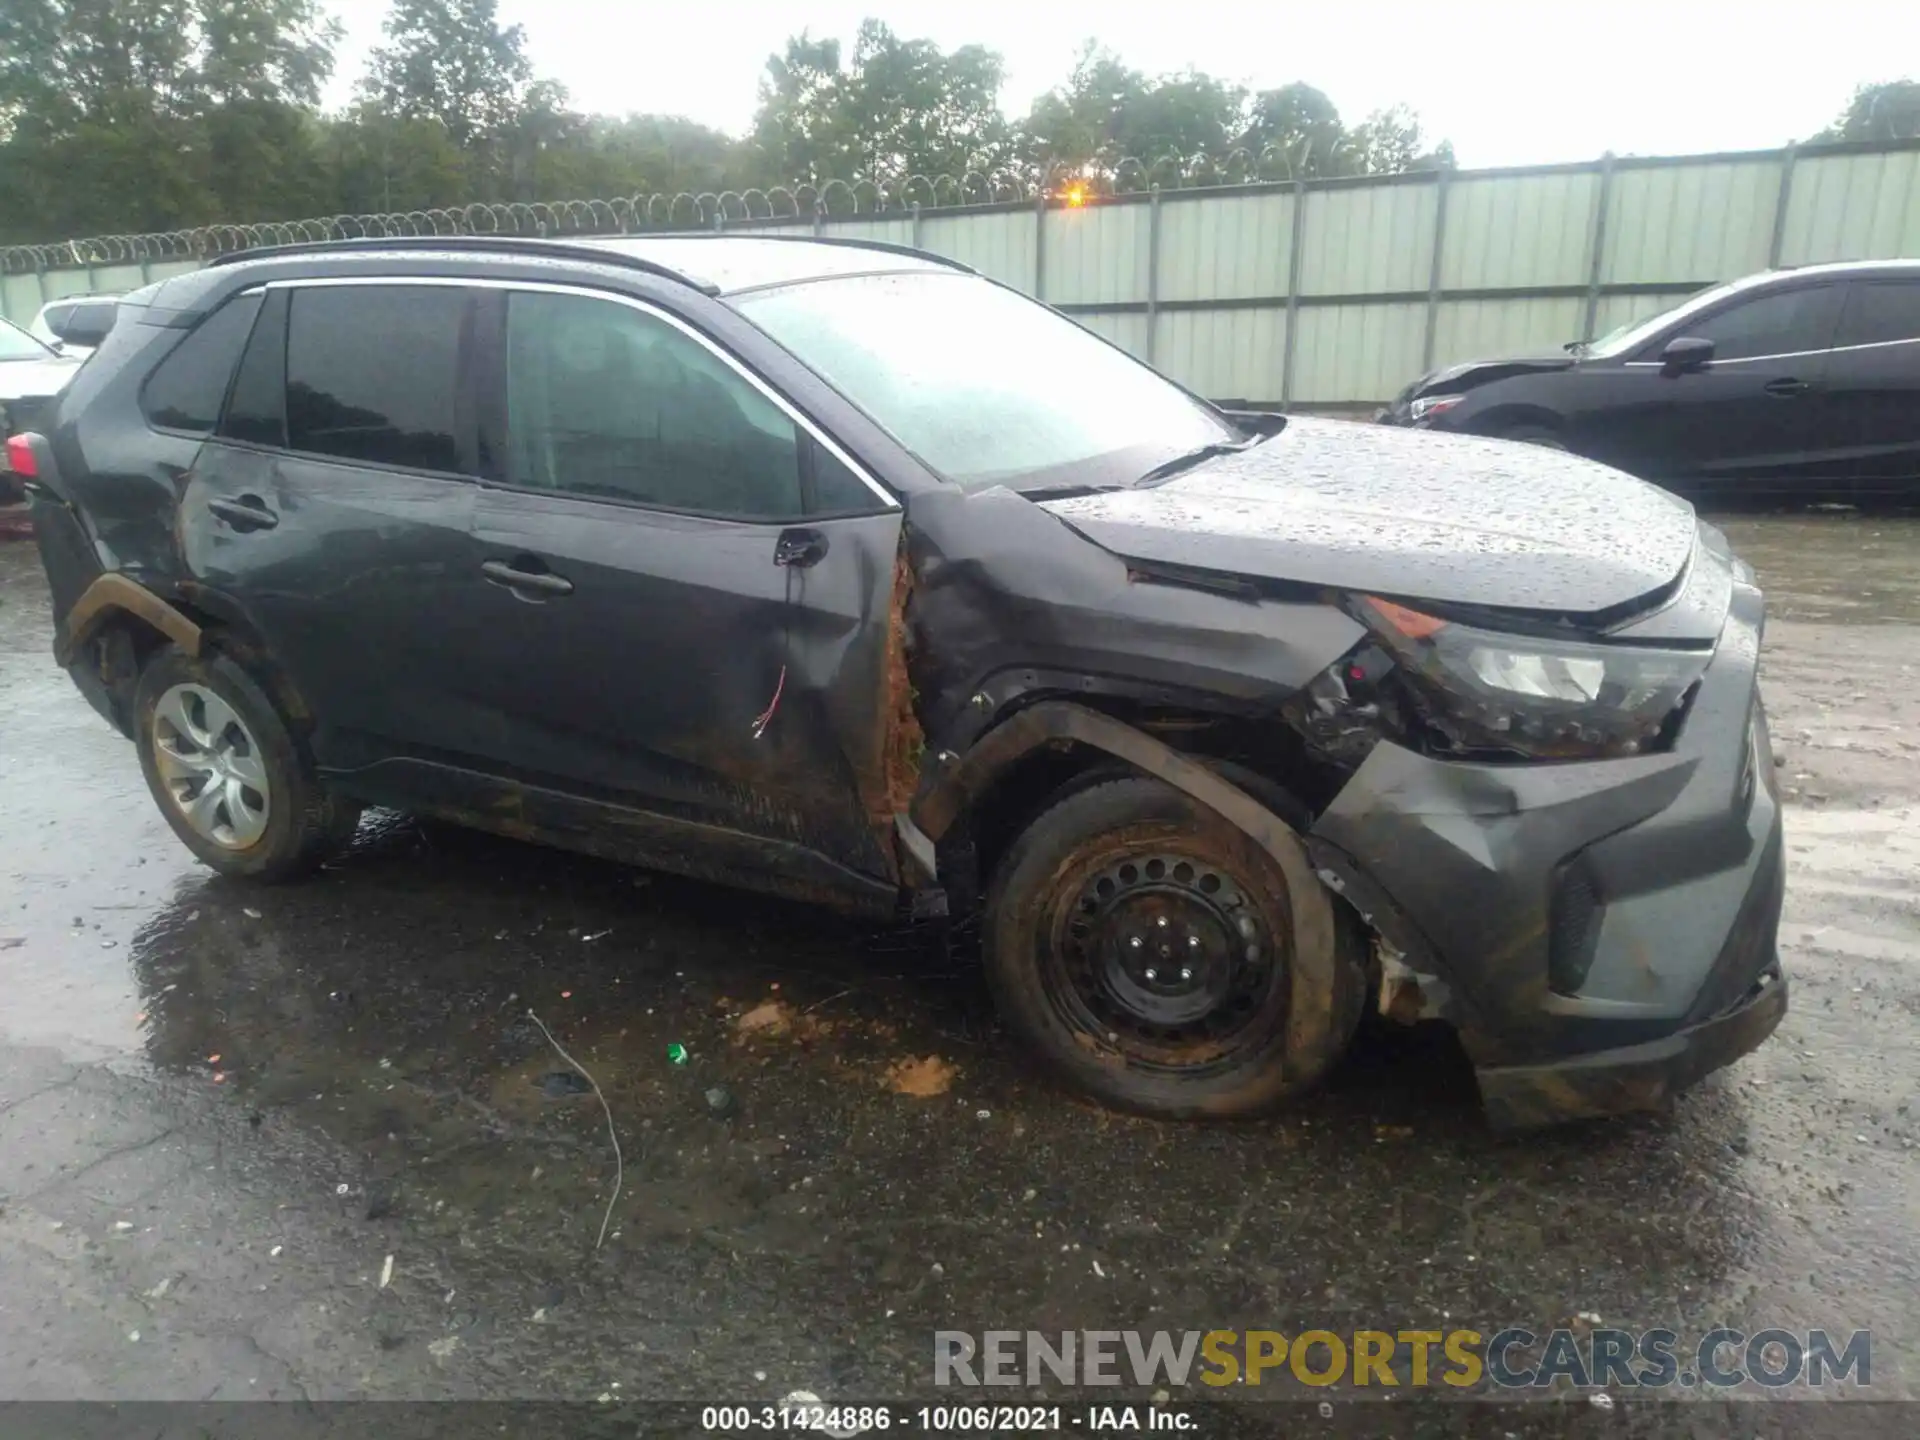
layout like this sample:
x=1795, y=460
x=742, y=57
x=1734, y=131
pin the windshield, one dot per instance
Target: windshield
x=16, y=344
x=983, y=385
x=1624, y=339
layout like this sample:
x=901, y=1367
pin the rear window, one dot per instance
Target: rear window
x=187, y=388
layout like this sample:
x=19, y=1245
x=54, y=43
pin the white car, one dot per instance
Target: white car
x=51, y=325
x=31, y=373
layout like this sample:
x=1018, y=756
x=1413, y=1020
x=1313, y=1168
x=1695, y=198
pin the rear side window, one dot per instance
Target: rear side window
x=185, y=391
x=257, y=409
x=373, y=373
x=1881, y=311
x=607, y=401
x=1783, y=323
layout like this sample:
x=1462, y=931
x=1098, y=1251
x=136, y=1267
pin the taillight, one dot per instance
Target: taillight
x=20, y=458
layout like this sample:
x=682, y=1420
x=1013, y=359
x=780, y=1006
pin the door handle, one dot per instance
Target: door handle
x=522, y=581
x=799, y=548
x=1786, y=387
x=244, y=512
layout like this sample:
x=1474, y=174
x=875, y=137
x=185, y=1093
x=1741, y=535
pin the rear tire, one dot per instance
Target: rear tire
x=227, y=772
x=1145, y=948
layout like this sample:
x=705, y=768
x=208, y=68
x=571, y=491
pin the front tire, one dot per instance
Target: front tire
x=228, y=774
x=1144, y=947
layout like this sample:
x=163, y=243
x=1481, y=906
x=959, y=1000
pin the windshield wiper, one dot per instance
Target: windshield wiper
x=1577, y=347
x=1167, y=469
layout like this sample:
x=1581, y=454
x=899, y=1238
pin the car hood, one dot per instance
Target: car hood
x=1467, y=373
x=1406, y=513
x=35, y=379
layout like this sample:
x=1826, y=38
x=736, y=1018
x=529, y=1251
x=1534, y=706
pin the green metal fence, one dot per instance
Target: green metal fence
x=1323, y=293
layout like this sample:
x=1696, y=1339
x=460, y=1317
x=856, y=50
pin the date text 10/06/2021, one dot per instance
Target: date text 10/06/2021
x=842, y=1422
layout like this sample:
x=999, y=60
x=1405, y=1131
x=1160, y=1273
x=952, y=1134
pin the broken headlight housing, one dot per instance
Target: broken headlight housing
x=1545, y=698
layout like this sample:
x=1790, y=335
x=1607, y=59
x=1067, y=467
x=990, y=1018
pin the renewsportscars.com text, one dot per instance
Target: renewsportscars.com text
x=1509, y=1359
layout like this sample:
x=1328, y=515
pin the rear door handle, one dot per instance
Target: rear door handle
x=799, y=548
x=522, y=580
x=1785, y=387
x=244, y=512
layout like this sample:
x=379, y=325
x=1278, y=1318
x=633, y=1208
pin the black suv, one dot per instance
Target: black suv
x=1791, y=385
x=842, y=572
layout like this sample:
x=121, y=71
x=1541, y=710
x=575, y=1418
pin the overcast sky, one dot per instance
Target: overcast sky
x=1508, y=83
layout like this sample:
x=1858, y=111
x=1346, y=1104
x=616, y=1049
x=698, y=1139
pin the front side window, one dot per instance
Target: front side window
x=611, y=402
x=373, y=372
x=985, y=386
x=1786, y=322
x=186, y=389
x=1880, y=312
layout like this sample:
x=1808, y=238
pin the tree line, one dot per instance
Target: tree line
x=142, y=115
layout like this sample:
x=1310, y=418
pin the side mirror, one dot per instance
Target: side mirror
x=85, y=325
x=1262, y=424
x=1686, y=352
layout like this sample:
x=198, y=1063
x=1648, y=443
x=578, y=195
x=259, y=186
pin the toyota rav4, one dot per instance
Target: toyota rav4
x=839, y=571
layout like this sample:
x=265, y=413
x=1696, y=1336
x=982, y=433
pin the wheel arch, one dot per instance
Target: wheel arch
x=114, y=600
x=122, y=622
x=1509, y=415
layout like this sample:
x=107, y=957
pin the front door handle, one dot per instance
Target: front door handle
x=244, y=512
x=799, y=548
x=1786, y=387
x=524, y=581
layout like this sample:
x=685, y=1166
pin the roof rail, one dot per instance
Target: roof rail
x=496, y=244
x=849, y=242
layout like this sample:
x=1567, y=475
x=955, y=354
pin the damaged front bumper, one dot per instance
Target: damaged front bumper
x=1602, y=934
x=1633, y=1077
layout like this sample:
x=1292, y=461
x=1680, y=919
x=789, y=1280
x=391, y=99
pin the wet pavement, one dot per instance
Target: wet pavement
x=223, y=1108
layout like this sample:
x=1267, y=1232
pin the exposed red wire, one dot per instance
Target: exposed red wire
x=765, y=717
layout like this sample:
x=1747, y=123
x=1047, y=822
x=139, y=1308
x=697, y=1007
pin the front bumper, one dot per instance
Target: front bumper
x=1601, y=933
x=1633, y=1077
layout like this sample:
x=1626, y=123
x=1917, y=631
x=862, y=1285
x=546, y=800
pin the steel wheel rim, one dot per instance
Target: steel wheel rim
x=1204, y=984
x=210, y=767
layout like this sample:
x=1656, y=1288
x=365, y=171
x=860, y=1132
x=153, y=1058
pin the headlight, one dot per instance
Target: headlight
x=1548, y=698
x=1426, y=407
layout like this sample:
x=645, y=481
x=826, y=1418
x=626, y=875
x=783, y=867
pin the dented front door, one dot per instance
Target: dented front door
x=671, y=622
x=685, y=670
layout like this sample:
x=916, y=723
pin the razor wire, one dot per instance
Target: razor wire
x=801, y=202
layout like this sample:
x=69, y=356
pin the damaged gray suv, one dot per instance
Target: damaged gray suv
x=839, y=571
